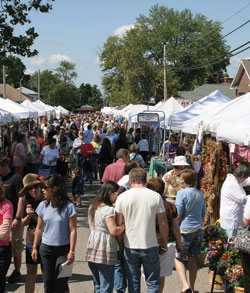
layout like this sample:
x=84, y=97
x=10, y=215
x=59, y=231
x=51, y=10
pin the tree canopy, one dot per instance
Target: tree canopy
x=58, y=88
x=15, y=71
x=15, y=13
x=133, y=64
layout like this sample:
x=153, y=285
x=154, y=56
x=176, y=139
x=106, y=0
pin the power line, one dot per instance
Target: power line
x=211, y=43
x=215, y=29
x=215, y=61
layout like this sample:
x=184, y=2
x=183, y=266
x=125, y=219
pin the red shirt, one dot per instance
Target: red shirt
x=41, y=142
x=114, y=171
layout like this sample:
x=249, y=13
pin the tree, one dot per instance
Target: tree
x=133, y=64
x=66, y=71
x=16, y=13
x=66, y=95
x=90, y=95
x=14, y=72
x=48, y=81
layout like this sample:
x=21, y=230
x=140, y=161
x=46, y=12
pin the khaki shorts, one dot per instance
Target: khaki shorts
x=17, y=240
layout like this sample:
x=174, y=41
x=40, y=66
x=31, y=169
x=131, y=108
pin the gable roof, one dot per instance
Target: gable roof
x=13, y=94
x=27, y=91
x=205, y=89
x=243, y=67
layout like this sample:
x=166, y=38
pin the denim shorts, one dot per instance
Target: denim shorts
x=191, y=244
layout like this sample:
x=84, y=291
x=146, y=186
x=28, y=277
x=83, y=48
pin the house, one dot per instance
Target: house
x=223, y=84
x=241, y=81
x=29, y=93
x=13, y=94
x=85, y=109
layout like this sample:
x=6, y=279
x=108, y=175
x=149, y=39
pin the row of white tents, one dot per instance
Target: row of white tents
x=12, y=111
x=228, y=119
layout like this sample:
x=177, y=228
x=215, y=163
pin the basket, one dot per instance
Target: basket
x=219, y=281
x=239, y=290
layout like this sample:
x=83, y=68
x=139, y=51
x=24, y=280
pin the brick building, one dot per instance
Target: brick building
x=241, y=81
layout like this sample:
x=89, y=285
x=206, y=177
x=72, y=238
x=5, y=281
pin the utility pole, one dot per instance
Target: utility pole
x=165, y=72
x=38, y=85
x=4, y=82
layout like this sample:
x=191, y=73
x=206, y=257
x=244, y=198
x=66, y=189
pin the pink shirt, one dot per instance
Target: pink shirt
x=19, y=154
x=114, y=171
x=6, y=212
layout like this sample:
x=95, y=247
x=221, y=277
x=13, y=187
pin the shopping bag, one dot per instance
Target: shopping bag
x=242, y=240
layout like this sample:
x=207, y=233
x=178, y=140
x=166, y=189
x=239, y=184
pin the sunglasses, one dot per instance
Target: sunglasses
x=33, y=187
x=45, y=187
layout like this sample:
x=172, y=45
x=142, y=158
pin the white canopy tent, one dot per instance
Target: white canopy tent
x=168, y=107
x=236, y=131
x=62, y=110
x=5, y=117
x=135, y=110
x=50, y=111
x=231, y=112
x=194, y=125
x=31, y=105
x=18, y=112
x=121, y=112
x=213, y=100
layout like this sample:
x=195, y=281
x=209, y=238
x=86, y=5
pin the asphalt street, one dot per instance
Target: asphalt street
x=81, y=280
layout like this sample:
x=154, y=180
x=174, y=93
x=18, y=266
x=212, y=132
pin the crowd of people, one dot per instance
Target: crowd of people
x=137, y=225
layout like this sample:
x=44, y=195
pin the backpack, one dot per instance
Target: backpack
x=87, y=149
x=135, y=158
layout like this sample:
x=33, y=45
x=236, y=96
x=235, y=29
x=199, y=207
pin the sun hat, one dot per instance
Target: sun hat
x=30, y=180
x=180, y=161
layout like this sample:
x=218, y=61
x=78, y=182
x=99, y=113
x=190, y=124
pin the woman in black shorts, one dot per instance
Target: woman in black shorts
x=33, y=196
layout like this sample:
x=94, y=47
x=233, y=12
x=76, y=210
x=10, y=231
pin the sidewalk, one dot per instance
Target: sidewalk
x=81, y=281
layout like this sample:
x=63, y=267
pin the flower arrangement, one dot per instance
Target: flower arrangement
x=215, y=251
x=211, y=183
x=235, y=276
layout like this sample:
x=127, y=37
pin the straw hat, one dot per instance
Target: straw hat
x=29, y=180
x=180, y=161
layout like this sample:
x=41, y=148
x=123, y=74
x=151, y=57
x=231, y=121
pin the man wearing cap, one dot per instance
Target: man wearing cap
x=171, y=178
x=12, y=184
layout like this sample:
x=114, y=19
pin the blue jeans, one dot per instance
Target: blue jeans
x=120, y=276
x=149, y=259
x=103, y=276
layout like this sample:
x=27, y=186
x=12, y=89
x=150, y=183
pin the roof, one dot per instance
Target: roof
x=243, y=67
x=13, y=94
x=85, y=108
x=205, y=89
x=27, y=91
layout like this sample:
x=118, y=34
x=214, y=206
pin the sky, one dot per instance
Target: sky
x=76, y=30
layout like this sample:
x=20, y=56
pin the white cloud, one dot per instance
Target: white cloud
x=121, y=30
x=28, y=71
x=57, y=58
x=49, y=60
x=97, y=60
x=39, y=60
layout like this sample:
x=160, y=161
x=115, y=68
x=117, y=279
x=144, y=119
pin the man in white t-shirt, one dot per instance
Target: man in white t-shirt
x=138, y=208
x=245, y=256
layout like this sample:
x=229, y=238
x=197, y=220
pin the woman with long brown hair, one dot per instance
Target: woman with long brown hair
x=57, y=227
x=101, y=247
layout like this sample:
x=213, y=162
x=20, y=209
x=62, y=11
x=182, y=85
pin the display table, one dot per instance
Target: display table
x=158, y=167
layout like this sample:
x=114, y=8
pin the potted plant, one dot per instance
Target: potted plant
x=235, y=277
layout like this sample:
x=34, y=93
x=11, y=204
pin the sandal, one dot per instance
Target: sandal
x=189, y=290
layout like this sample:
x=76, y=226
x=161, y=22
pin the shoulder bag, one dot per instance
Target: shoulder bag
x=242, y=240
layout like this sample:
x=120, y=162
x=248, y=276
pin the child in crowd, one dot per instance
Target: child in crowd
x=88, y=169
x=77, y=186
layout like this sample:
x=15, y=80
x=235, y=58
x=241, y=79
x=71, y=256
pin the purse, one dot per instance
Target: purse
x=242, y=240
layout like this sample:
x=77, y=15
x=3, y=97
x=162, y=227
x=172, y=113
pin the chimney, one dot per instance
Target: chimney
x=220, y=77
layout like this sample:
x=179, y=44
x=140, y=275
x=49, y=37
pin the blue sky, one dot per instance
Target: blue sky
x=75, y=30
